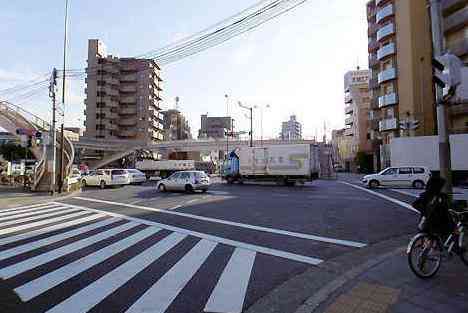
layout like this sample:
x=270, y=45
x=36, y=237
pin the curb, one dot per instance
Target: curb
x=322, y=295
x=25, y=200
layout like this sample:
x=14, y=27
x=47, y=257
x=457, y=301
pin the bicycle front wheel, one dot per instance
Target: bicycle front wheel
x=424, y=255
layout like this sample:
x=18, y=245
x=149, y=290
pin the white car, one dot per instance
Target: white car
x=188, y=181
x=404, y=176
x=106, y=177
x=136, y=176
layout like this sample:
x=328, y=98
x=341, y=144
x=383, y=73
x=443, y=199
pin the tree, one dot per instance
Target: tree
x=12, y=152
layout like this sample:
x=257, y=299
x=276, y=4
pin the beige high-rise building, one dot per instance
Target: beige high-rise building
x=400, y=54
x=455, y=13
x=122, y=97
x=357, y=107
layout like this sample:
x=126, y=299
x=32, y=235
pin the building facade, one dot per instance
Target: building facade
x=401, y=87
x=291, y=130
x=122, y=97
x=357, y=108
x=455, y=14
x=176, y=126
x=214, y=127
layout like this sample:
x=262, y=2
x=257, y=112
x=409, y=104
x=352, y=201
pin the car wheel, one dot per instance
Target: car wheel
x=374, y=184
x=418, y=184
x=204, y=190
x=188, y=188
x=83, y=183
x=162, y=188
x=102, y=184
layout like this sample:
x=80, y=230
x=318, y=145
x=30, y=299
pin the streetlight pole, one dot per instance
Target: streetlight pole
x=62, y=141
x=230, y=122
x=442, y=127
x=251, y=120
x=261, y=121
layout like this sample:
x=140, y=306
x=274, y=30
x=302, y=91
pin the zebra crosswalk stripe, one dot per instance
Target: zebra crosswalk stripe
x=50, y=240
x=158, y=298
x=16, y=211
x=32, y=218
x=35, y=206
x=31, y=263
x=94, y=293
x=229, y=294
x=52, y=279
x=36, y=214
x=49, y=229
x=42, y=222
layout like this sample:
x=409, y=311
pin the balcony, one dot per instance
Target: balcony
x=387, y=100
x=460, y=109
x=456, y=21
x=128, y=88
x=384, y=12
x=128, y=121
x=111, y=81
x=128, y=78
x=373, y=61
x=348, y=132
x=386, y=51
x=387, y=75
x=385, y=31
x=349, y=120
x=349, y=109
x=128, y=111
x=128, y=100
x=374, y=124
x=373, y=83
x=373, y=46
x=377, y=2
x=127, y=133
x=372, y=29
x=128, y=67
x=388, y=124
x=450, y=6
x=348, y=98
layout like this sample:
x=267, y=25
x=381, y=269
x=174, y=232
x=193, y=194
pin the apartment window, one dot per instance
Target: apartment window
x=101, y=93
x=101, y=83
x=100, y=104
x=100, y=115
x=100, y=127
x=101, y=72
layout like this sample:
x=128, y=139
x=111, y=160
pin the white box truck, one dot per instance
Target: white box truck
x=164, y=168
x=286, y=164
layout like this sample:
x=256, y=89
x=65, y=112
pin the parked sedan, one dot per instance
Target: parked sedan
x=405, y=176
x=136, y=176
x=187, y=181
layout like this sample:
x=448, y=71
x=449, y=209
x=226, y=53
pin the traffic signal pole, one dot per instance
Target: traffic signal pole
x=442, y=121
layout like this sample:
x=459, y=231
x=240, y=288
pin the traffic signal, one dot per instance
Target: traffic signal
x=38, y=138
x=447, y=73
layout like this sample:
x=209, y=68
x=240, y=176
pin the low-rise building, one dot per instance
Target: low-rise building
x=291, y=130
x=176, y=126
x=214, y=126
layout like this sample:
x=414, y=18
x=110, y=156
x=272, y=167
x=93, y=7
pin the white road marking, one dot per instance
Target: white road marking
x=42, y=284
x=160, y=296
x=400, y=203
x=43, y=222
x=50, y=240
x=45, y=230
x=16, y=211
x=15, y=269
x=229, y=242
x=191, y=201
x=35, y=215
x=33, y=218
x=241, y=225
x=94, y=293
x=229, y=294
x=36, y=206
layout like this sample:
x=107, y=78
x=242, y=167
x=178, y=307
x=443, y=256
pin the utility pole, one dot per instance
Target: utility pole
x=62, y=141
x=52, y=135
x=442, y=121
x=227, y=128
x=251, y=121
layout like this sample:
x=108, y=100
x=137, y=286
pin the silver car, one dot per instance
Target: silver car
x=188, y=181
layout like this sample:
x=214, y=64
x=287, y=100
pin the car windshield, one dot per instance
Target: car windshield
x=119, y=172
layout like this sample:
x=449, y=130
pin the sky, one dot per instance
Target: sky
x=294, y=63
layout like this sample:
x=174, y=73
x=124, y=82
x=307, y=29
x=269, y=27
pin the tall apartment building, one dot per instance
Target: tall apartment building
x=357, y=108
x=291, y=130
x=455, y=13
x=400, y=54
x=214, y=126
x=176, y=126
x=122, y=97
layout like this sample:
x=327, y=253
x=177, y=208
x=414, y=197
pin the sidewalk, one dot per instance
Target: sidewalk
x=16, y=196
x=391, y=287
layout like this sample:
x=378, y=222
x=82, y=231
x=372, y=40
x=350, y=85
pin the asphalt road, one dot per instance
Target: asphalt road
x=133, y=249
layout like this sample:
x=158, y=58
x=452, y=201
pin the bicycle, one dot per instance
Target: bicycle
x=426, y=251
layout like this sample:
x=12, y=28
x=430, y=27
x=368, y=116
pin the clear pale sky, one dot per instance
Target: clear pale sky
x=294, y=63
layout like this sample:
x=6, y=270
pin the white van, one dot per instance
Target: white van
x=106, y=177
x=402, y=176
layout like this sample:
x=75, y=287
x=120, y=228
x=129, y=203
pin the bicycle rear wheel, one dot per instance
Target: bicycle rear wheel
x=424, y=255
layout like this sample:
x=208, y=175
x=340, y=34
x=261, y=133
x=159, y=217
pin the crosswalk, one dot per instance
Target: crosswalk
x=66, y=258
